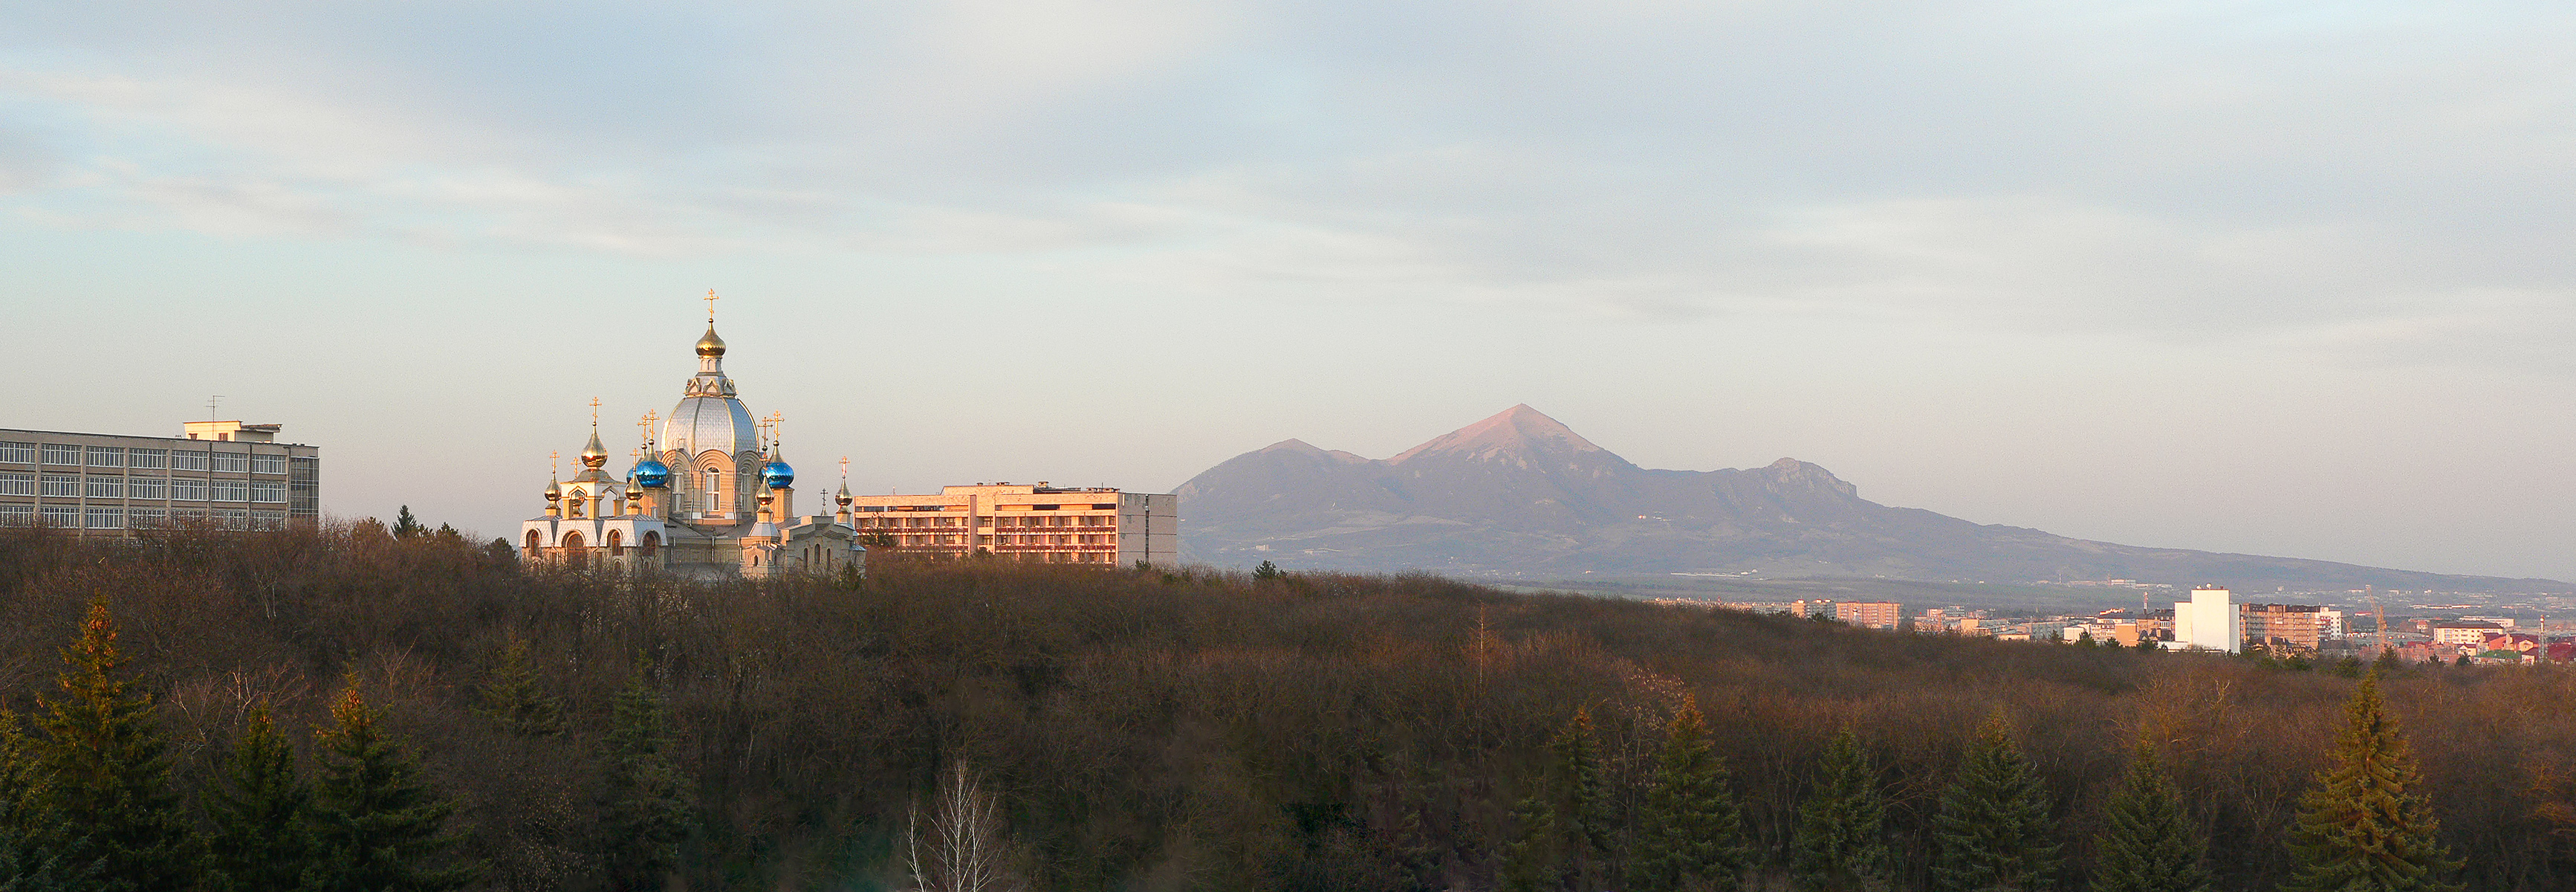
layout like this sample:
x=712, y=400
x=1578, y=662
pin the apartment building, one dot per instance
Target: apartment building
x=1870, y=614
x=1038, y=523
x=224, y=473
x=2298, y=626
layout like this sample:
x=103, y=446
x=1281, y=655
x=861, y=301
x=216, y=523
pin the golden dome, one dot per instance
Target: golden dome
x=711, y=345
x=593, y=455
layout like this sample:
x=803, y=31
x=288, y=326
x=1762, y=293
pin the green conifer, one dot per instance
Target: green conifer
x=261, y=811
x=512, y=696
x=2363, y=827
x=1532, y=861
x=646, y=798
x=1840, y=844
x=1565, y=825
x=23, y=866
x=381, y=829
x=1691, y=833
x=99, y=774
x=1993, y=826
x=2148, y=844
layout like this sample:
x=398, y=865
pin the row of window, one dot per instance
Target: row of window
x=1061, y=520
x=179, y=489
x=113, y=518
x=144, y=459
x=1007, y=540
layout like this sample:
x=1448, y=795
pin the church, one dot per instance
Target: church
x=709, y=496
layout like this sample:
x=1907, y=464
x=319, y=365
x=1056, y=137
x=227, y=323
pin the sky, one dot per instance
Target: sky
x=2284, y=278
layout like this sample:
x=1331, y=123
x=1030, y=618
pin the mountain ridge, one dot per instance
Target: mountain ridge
x=1519, y=494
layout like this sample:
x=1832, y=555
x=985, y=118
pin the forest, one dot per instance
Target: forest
x=1177, y=729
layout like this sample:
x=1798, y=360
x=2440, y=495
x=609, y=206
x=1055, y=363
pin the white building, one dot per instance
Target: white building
x=2209, y=621
x=1041, y=524
x=223, y=474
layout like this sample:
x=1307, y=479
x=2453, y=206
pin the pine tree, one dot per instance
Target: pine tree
x=1993, y=825
x=511, y=695
x=2363, y=828
x=261, y=811
x=1692, y=834
x=407, y=526
x=1840, y=845
x=99, y=774
x=1532, y=861
x=381, y=829
x=646, y=799
x=23, y=866
x=1565, y=825
x=2147, y=843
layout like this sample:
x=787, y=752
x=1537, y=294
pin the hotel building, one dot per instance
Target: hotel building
x=1037, y=523
x=224, y=473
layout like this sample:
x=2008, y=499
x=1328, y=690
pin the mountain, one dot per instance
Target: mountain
x=1519, y=494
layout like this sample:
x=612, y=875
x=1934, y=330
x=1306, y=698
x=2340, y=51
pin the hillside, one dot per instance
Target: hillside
x=1520, y=495
x=1154, y=731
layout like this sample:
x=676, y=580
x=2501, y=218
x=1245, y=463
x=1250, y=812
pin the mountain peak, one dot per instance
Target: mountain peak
x=1519, y=430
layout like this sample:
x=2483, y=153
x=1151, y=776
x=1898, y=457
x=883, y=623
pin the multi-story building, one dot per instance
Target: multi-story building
x=1039, y=523
x=2209, y=621
x=1870, y=614
x=2464, y=631
x=224, y=474
x=2297, y=626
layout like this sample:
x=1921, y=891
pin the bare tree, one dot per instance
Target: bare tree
x=960, y=846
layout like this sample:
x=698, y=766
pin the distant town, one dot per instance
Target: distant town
x=2474, y=628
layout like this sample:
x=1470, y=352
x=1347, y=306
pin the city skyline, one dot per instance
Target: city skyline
x=2285, y=280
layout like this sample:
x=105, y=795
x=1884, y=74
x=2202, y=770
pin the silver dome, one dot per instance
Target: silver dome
x=701, y=423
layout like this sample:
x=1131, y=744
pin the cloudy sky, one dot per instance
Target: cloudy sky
x=2277, y=277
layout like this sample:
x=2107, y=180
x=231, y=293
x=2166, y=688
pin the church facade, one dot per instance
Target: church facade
x=708, y=496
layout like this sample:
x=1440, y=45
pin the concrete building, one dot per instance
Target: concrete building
x=2209, y=621
x=1039, y=523
x=2464, y=631
x=1870, y=614
x=2298, y=626
x=708, y=496
x=224, y=474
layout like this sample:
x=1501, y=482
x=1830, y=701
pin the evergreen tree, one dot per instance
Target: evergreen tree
x=1993, y=825
x=2387, y=662
x=98, y=774
x=407, y=526
x=1532, y=861
x=23, y=866
x=2363, y=828
x=1565, y=825
x=646, y=799
x=1692, y=834
x=511, y=695
x=261, y=811
x=381, y=829
x=1840, y=844
x=2148, y=844
x=1266, y=572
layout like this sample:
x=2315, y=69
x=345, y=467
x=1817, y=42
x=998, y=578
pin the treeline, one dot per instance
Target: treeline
x=1201, y=730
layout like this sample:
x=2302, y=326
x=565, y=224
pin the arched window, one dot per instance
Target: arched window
x=652, y=543
x=572, y=550
x=715, y=490
x=616, y=543
x=534, y=542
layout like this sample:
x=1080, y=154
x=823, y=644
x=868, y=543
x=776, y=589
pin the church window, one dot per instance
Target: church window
x=652, y=543
x=575, y=502
x=533, y=542
x=616, y=542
